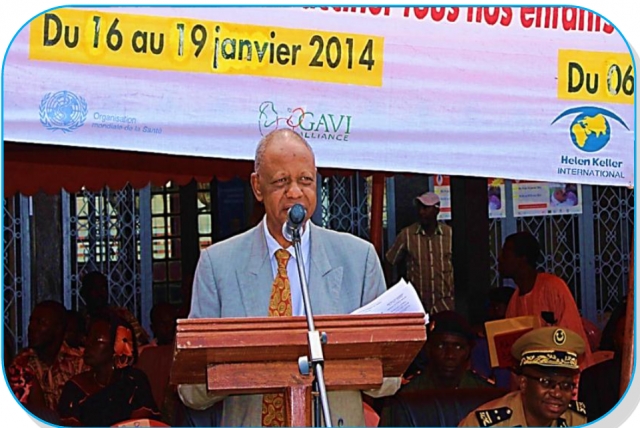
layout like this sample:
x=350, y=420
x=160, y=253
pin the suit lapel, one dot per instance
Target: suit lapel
x=255, y=278
x=325, y=279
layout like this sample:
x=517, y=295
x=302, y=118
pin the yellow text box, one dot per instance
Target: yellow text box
x=595, y=76
x=191, y=45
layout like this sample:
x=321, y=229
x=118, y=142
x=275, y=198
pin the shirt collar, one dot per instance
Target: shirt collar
x=273, y=245
x=421, y=231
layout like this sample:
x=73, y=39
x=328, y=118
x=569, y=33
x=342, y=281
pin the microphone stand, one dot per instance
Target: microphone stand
x=315, y=343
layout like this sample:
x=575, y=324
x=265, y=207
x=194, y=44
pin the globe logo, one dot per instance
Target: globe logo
x=62, y=111
x=590, y=130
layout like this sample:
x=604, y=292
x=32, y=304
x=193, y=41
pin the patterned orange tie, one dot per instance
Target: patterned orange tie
x=279, y=306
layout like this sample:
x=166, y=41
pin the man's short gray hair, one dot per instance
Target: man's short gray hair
x=264, y=142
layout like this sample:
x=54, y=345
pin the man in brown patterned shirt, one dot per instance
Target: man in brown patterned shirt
x=38, y=373
x=423, y=249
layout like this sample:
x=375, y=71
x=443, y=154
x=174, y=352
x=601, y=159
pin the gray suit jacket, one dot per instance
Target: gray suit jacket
x=234, y=277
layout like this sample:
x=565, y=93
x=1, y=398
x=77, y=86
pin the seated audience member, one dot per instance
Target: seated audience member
x=599, y=386
x=112, y=390
x=9, y=349
x=609, y=330
x=480, y=361
x=594, y=334
x=76, y=330
x=539, y=294
x=95, y=293
x=186, y=291
x=498, y=301
x=548, y=366
x=155, y=361
x=38, y=373
x=163, y=323
x=448, y=349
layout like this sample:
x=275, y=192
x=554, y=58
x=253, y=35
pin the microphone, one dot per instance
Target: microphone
x=295, y=218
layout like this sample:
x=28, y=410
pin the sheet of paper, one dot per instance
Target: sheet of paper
x=400, y=299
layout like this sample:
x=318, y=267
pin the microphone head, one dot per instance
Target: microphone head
x=295, y=218
x=297, y=213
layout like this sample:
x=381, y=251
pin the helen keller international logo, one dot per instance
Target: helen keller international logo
x=63, y=110
x=590, y=130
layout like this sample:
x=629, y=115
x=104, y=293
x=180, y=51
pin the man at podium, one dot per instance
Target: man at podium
x=255, y=274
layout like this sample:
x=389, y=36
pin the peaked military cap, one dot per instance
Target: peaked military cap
x=450, y=322
x=553, y=347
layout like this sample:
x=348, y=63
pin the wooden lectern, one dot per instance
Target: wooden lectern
x=260, y=355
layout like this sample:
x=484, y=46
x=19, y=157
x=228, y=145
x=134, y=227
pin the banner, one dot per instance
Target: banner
x=532, y=93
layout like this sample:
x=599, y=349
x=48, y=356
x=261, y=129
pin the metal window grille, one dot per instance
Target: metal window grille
x=103, y=231
x=345, y=204
x=16, y=274
x=166, y=243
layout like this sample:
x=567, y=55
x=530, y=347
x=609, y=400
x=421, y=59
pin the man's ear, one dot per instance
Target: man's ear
x=522, y=382
x=255, y=186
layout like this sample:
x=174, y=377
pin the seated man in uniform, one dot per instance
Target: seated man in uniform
x=546, y=378
x=448, y=351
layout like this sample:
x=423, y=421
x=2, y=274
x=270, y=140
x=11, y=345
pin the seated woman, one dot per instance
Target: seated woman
x=112, y=390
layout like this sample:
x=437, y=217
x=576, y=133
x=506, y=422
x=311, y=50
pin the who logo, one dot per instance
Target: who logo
x=63, y=111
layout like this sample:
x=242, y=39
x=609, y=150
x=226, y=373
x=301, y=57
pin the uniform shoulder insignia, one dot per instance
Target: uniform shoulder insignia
x=490, y=417
x=578, y=406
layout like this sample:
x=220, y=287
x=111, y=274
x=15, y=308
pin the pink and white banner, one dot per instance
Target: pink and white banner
x=533, y=93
